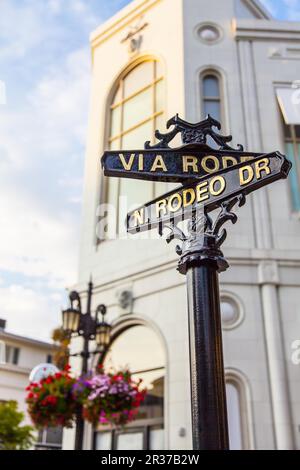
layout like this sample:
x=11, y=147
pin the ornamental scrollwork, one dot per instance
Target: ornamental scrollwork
x=202, y=224
x=75, y=300
x=193, y=134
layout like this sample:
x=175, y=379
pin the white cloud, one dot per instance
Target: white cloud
x=55, y=6
x=34, y=24
x=28, y=312
x=78, y=6
x=21, y=28
x=35, y=243
x=42, y=140
x=42, y=150
x=61, y=99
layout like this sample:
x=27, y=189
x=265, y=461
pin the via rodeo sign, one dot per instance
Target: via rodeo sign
x=209, y=176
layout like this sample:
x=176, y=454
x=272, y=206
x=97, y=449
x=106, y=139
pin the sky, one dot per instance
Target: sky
x=44, y=97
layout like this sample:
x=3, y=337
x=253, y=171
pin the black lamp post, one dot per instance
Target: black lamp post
x=90, y=328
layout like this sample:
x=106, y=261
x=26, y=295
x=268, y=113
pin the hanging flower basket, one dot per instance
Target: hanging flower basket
x=50, y=402
x=113, y=399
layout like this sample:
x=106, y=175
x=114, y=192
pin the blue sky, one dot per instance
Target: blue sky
x=283, y=9
x=45, y=65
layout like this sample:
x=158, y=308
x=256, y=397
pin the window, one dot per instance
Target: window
x=2, y=352
x=11, y=354
x=211, y=96
x=232, y=312
x=136, y=111
x=49, y=439
x=239, y=411
x=292, y=145
x=139, y=349
x=234, y=416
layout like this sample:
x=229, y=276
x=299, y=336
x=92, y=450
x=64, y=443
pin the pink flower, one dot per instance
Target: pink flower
x=103, y=420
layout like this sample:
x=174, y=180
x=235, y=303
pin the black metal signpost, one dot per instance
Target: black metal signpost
x=212, y=178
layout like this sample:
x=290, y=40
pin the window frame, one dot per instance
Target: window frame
x=221, y=98
x=104, y=181
x=12, y=354
x=42, y=444
x=152, y=117
x=236, y=378
x=151, y=86
x=144, y=428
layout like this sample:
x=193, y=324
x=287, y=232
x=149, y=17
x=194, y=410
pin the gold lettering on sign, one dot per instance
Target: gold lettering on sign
x=161, y=206
x=213, y=159
x=246, y=174
x=202, y=190
x=212, y=185
x=262, y=165
x=138, y=217
x=178, y=202
x=188, y=192
x=246, y=159
x=127, y=165
x=141, y=162
x=158, y=164
x=189, y=161
x=227, y=160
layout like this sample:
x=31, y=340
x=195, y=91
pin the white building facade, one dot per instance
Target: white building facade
x=229, y=58
x=18, y=356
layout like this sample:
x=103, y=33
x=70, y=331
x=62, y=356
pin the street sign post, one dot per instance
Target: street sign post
x=212, y=178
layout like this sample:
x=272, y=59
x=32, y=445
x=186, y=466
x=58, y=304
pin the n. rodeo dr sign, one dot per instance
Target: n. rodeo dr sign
x=209, y=192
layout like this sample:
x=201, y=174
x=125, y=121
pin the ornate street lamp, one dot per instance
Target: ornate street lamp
x=76, y=323
x=72, y=316
x=103, y=329
x=71, y=319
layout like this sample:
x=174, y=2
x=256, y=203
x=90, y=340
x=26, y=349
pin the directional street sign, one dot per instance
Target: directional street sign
x=170, y=165
x=210, y=178
x=209, y=192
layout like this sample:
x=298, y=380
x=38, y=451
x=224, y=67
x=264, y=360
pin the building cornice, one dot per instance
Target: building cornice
x=236, y=257
x=258, y=9
x=265, y=30
x=4, y=335
x=15, y=369
x=119, y=21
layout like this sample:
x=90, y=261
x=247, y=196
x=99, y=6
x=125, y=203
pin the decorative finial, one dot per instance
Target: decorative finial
x=193, y=134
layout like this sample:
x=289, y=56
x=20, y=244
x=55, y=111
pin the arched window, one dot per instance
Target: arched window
x=136, y=111
x=234, y=416
x=211, y=95
x=240, y=437
x=139, y=349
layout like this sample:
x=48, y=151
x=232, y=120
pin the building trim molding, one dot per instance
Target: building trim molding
x=258, y=9
x=5, y=335
x=14, y=369
x=120, y=21
x=265, y=30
